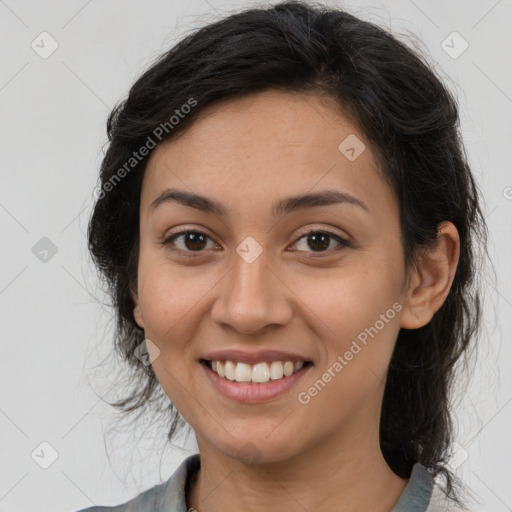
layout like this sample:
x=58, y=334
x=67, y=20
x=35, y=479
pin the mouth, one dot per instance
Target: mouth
x=255, y=383
x=259, y=373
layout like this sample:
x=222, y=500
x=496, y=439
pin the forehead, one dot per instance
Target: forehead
x=266, y=146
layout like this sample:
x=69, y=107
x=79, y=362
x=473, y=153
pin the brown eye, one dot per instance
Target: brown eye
x=194, y=241
x=191, y=241
x=319, y=241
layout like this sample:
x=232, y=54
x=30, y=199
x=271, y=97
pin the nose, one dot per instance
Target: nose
x=253, y=296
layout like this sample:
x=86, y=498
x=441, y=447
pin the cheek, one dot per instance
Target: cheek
x=345, y=302
x=358, y=318
x=362, y=316
x=169, y=294
x=169, y=305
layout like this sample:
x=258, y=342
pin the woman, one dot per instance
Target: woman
x=287, y=222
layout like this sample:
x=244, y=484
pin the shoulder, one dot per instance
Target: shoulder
x=147, y=500
x=439, y=502
x=424, y=494
x=168, y=496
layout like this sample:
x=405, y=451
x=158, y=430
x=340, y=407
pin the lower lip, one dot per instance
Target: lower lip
x=254, y=393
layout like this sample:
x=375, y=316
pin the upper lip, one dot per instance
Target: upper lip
x=253, y=357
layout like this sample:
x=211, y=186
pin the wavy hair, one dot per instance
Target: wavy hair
x=391, y=93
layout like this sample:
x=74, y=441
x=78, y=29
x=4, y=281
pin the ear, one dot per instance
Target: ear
x=431, y=279
x=137, y=313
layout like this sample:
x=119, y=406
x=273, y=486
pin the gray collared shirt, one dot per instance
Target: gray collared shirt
x=420, y=495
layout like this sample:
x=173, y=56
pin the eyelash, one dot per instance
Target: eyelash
x=192, y=254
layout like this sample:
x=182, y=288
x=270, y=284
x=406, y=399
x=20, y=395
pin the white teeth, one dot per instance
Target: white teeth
x=288, y=368
x=243, y=372
x=260, y=372
x=257, y=373
x=276, y=370
x=229, y=370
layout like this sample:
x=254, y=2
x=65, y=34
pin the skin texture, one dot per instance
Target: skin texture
x=247, y=154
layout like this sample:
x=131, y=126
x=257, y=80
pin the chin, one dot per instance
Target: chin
x=257, y=450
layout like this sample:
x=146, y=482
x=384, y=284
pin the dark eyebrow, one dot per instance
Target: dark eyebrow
x=282, y=207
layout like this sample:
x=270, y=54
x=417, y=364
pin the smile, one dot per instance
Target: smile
x=258, y=373
x=254, y=383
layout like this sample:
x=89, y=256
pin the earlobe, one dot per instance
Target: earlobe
x=432, y=278
x=137, y=314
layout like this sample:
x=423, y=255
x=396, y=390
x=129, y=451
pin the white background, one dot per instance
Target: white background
x=55, y=333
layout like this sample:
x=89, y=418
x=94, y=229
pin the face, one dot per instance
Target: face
x=251, y=280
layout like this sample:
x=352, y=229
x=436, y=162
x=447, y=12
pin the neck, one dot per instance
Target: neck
x=352, y=477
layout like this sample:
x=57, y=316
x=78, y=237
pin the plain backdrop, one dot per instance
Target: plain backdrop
x=55, y=330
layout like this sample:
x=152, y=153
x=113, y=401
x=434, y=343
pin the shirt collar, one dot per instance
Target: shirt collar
x=417, y=494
